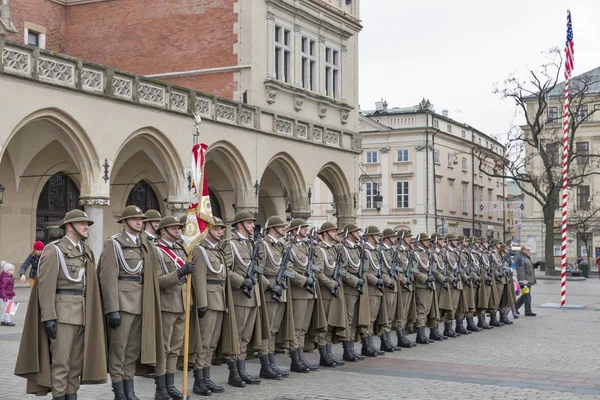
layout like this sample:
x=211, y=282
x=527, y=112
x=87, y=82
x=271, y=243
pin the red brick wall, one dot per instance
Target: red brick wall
x=45, y=13
x=158, y=36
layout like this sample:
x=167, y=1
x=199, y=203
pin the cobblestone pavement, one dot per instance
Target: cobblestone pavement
x=551, y=356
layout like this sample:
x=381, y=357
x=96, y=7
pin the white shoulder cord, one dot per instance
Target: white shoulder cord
x=161, y=260
x=385, y=262
x=237, y=255
x=121, y=258
x=208, y=263
x=426, y=266
x=371, y=262
x=63, y=265
x=355, y=265
x=276, y=264
x=326, y=260
x=296, y=259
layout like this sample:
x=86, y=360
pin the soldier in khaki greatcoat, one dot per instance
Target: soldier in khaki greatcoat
x=131, y=299
x=171, y=269
x=498, y=264
x=425, y=296
x=249, y=310
x=66, y=300
x=389, y=242
x=214, y=304
x=406, y=295
x=376, y=291
x=442, y=287
x=480, y=262
x=334, y=306
x=454, y=284
x=466, y=308
x=151, y=222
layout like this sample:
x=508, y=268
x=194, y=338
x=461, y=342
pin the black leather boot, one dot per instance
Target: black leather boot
x=385, y=345
x=171, y=389
x=434, y=334
x=303, y=359
x=266, y=371
x=422, y=337
x=504, y=318
x=128, y=389
x=71, y=396
x=234, y=376
x=213, y=387
x=448, y=331
x=460, y=327
x=63, y=397
x=199, y=384
x=297, y=365
x=282, y=373
x=246, y=377
x=355, y=353
x=348, y=355
x=325, y=360
x=161, y=388
x=329, y=348
x=367, y=350
x=119, y=390
x=403, y=340
x=494, y=320
x=378, y=352
x=482, y=323
x=471, y=325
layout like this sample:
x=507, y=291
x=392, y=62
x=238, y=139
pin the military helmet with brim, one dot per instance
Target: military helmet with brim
x=219, y=222
x=295, y=223
x=388, y=232
x=274, y=222
x=241, y=217
x=152, y=215
x=75, y=216
x=372, y=230
x=327, y=226
x=131, y=212
x=169, y=221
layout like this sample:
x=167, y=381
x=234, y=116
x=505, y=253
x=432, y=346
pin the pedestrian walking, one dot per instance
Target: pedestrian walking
x=32, y=261
x=7, y=290
x=526, y=279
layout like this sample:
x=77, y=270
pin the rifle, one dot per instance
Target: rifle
x=253, y=268
x=280, y=280
x=410, y=278
x=336, y=271
x=310, y=267
x=430, y=282
x=380, y=266
x=445, y=262
x=361, y=273
x=488, y=280
x=395, y=260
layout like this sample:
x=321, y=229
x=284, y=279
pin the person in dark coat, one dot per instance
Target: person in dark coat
x=32, y=260
x=526, y=278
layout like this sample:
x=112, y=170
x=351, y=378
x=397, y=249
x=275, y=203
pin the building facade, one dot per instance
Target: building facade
x=425, y=166
x=110, y=122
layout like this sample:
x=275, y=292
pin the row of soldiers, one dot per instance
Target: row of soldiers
x=285, y=288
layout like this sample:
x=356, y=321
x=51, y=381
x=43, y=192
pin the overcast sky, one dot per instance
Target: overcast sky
x=454, y=51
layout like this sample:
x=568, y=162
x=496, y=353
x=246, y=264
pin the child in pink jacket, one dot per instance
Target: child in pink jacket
x=7, y=290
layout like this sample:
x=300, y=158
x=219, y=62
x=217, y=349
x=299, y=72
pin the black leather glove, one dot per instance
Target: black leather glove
x=379, y=282
x=248, y=283
x=114, y=319
x=336, y=285
x=361, y=282
x=50, y=328
x=275, y=289
x=202, y=311
x=392, y=285
x=309, y=281
x=430, y=278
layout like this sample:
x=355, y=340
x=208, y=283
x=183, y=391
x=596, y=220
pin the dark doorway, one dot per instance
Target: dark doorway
x=59, y=196
x=214, y=204
x=143, y=196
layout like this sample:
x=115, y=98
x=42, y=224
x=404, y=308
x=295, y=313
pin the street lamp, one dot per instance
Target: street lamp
x=443, y=232
x=378, y=201
x=1, y=193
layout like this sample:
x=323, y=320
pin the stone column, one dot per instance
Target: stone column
x=177, y=209
x=94, y=208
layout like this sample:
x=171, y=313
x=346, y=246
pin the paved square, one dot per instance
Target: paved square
x=551, y=356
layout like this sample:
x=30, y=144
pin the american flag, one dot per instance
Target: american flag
x=569, y=50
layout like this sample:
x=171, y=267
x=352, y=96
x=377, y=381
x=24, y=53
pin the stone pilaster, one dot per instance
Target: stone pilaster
x=177, y=209
x=94, y=208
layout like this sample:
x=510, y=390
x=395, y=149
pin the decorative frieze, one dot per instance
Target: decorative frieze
x=179, y=101
x=16, y=62
x=151, y=94
x=94, y=201
x=55, y=71
x=284, y=127
x=176, y=206
x=122, y=87
x=247, y=118
x=302, y=131
x=203, y=107
x=317, y=134
x=92, y=80
x=226, y=113
x=332, y=138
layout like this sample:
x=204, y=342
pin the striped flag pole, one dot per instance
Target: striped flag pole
x=569, y=52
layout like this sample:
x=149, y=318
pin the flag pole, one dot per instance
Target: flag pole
x=569, y=52
x=188, y=293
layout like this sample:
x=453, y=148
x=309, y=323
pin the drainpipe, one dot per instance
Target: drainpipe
x=426, y=172
x=503, y=212
x=473, y=178
x=434, y=184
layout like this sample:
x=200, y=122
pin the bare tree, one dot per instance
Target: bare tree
x=534, y=151
x=584, y=222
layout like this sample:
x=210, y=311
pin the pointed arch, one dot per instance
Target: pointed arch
x=333, y=176
x=229, y=159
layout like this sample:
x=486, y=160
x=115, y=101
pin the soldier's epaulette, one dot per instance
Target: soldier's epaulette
x=55, y=242
x=112, y=237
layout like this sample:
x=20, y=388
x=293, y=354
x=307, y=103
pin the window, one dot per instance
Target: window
x=451, y=203
x=33, y=38
x=283, y=54
x=582, y=149
x=371, y=157
x=583, y=197
x=451, y=161
x=553, y=154
x=403, y=155
x=449, y=128
x=582, y=113
x=490, y=206
x=464, y=164
x=465, y=201
x=467, y=232
x=402, y=194
x=552, y=114
x=463, y=133
x=480, y=199
x=371, y=190
x=436, y=156
x=309, y=64
x=436, y=123
x=332, y=72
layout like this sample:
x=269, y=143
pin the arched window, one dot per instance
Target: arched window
x=143, y=196
x=59, y=196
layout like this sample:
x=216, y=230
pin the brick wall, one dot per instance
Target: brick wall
x=44, y=13
x=158, y=36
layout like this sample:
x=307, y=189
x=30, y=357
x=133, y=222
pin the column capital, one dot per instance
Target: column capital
x=305, y=215
x=176, y=205
x=94, y=201
x=251, y=209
